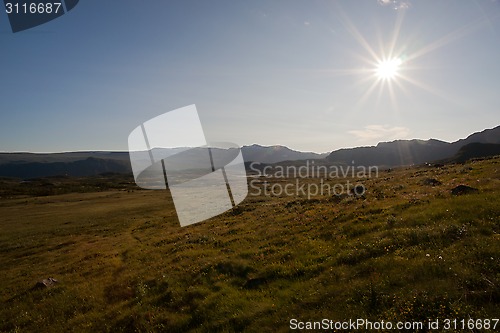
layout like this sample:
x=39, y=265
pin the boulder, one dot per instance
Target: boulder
x=254, y=283
x=463, y=189
x=431, y=182
x=45, y=283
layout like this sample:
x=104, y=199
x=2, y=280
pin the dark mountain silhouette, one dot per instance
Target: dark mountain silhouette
x=66, y=157
x=400, y=152
x=409, y=152
x=475, y=150
x=88, y=167
x=33, y=165
x=274, y=154
x=396, y=153
x=487, y=136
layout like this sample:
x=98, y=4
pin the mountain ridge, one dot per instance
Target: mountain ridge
x=410, y=152
x=384, y=154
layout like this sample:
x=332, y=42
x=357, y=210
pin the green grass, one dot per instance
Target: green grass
x=406, y=251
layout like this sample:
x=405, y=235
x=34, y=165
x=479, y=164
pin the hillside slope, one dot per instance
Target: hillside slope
x=408, y=250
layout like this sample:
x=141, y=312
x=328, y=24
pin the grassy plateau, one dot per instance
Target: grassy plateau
x=407, y=250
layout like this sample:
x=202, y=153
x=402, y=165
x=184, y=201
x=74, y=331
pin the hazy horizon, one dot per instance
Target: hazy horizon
x=245, y=145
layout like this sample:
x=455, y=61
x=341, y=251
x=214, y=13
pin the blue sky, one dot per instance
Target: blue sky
x=295, y=73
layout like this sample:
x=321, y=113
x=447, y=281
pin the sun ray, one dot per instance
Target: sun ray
x=346, y=22
x=432, y=90
x=368, y=92
x=449, y=38
x=392, y=96
x=395, y=35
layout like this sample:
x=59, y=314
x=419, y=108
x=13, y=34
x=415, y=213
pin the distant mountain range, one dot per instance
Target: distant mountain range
x=388, y=154
x=410, y=152
x=79, y=164
x=85, y=167
x=275, y=154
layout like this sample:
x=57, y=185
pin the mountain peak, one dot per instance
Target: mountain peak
x=408, y=152
x=275, y=153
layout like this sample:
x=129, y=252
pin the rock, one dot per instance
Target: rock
x=431, y=182
x=254, y=283
x=359, y=190
x=463, y=189
x=338, y=197
x=45, y=283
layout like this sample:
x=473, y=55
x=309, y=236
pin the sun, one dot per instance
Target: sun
x=388, y=69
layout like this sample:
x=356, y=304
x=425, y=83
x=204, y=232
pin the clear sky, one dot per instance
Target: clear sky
x=303, y=74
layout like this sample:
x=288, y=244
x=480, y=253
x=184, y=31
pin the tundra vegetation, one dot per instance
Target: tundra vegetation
x=408, y=249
